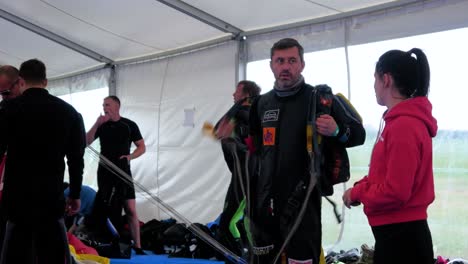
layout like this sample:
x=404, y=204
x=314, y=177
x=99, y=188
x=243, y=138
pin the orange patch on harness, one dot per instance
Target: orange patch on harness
x=269, y=136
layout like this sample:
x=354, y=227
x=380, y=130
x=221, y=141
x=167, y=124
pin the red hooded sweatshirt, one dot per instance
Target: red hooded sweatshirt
x=400, y=183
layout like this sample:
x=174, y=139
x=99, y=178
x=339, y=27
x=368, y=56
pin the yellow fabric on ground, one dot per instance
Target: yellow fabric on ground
x=322, y=257
x=86, y=258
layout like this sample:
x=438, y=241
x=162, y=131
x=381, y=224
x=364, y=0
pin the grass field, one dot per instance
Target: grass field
x=448, y=215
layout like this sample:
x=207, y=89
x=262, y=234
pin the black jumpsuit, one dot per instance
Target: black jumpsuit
x=278, y=126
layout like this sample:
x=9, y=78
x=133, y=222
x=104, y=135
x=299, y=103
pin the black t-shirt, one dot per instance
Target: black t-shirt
x=116, y=137
x=39, y=130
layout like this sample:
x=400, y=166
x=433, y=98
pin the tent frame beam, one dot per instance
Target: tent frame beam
x=175, y=52
x=54, y=37
x=202, y=16
x=243, y=35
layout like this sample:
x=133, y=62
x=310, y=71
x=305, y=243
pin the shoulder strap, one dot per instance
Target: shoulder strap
x=312, y=145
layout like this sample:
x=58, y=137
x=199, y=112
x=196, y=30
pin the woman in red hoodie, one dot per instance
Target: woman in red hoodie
x=400, y=184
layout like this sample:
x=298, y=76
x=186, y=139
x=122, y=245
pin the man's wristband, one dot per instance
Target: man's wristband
x=337, y=131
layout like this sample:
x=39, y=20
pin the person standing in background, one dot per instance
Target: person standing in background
x=116, y=134
x=233, y=129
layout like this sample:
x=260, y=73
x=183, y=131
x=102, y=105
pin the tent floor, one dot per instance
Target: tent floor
x=160, y=259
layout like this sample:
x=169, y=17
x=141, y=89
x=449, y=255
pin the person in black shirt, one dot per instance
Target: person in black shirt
x=39, y=130
x=9, y=89
x=116, y=135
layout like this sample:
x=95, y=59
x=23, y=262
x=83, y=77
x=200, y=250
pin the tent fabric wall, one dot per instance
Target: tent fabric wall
x=181, y=166
x=377, y=26
x=85, y=92
x=80, y=83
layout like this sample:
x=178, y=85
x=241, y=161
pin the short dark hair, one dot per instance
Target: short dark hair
x=411, y=75
x=250, y=88
x=33, y=71
x=113, y=98
x=287, y=43
x=11, y=72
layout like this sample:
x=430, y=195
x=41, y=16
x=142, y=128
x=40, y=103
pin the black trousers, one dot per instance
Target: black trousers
x=3, y=222
x=234, y=196
x=408, y=242
x=305, y=244
x=36, y=242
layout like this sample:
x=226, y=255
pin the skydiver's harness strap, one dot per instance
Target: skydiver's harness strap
x=296, y=198
x=322, y=95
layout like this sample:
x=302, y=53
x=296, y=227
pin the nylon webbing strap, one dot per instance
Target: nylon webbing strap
x=312, y=148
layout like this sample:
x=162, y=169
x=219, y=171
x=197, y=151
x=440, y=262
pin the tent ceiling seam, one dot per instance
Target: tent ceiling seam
x=81, y=72
x=11, y=55
x=98, y=27
x=202, y=16
x=175, y=52
x=53, y=37
x=325, y=6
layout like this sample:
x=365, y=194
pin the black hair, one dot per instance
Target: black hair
x=114, y=98
x=33, y=71
x=411, y=74
x=250, y=88
x=287, y=43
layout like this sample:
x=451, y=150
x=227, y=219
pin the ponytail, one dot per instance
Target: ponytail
x=423, y=76
x=410, y=73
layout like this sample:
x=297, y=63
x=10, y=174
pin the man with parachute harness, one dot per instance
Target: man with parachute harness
x=232, y=130
x=299, y=135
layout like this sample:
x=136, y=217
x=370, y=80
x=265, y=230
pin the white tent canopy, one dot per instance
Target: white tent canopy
x=166, y=58
x=73, y=36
